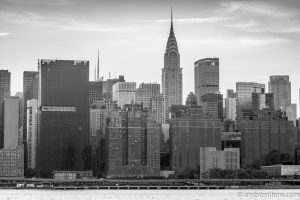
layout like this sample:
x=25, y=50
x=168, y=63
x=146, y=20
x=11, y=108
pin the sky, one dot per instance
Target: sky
x=253, y=39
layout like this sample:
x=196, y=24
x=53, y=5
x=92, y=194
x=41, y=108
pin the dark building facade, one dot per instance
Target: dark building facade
x=268, y=131
x=4, y=92
x=212, y=105
x=30, y=91
x=133, y=141
x=95, y=91
x=63, y=101
x=190, y=130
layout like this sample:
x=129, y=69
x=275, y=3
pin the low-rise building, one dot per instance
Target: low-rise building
x=12, y=162
x=211, y=158
x=282, y=170
x=72, y=175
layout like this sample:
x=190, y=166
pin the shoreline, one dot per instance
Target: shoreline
x=153, y=187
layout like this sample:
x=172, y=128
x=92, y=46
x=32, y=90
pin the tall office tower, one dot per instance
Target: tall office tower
x=280, y=86
x=11, y=122
x=100, y=114
x=107, y=87
x=291, y=113
x=132, y=144
x=212, y=105
x=171, y=73
x=124, y=93
x=21, y=109
x=230, y=108
x=4, y=92
x=30, y=91
x=206, y=73
x=145, y=92
x=244, y=92
x=190, y=130
x=95, y=91
x=32, y=137
x=63, y=124
x=262, y=101
x=158, y=109
x=263, y=134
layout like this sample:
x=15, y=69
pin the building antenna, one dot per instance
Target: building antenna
x=98, y=67
x=95, y=73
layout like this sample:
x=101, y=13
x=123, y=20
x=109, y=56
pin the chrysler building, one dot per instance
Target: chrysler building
x=171, y=73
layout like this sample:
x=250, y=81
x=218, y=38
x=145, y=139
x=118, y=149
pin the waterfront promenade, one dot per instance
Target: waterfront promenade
x=149, y=183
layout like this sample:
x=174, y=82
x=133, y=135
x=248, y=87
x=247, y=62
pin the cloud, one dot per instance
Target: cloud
x=4, y=34
x=94, y=27
x=45, y=2
x=195, y=20
x=34, y=19
x=261, y=16
x=236, y=42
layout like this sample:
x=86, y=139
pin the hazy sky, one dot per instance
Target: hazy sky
x=253, y=39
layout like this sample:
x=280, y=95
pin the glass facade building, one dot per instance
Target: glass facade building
x=206, y=77
x=244, y=92
x=63, y=101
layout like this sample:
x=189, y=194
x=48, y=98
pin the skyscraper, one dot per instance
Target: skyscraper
x=280, y=86
x=11, y=122
x=132, y=141
x=32, y=138
x=30, y=91
x=171, y=73
x=206, y=73
x=244, y=92
x=4, y=92
x=63, y=101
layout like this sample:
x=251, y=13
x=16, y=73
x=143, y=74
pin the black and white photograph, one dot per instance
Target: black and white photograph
x=149, y=99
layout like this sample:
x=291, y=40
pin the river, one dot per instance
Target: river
x=32, y=194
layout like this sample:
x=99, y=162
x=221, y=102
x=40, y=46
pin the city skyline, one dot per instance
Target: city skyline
x=238, y=32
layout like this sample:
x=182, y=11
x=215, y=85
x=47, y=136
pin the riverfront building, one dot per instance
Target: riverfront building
x=4, y=92
x=12, y=162
x=190, y=130
x=63, y=102
x=268, y=131
x=132, y=143
x=211, y=158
